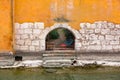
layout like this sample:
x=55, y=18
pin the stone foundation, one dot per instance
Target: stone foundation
x=100, y=36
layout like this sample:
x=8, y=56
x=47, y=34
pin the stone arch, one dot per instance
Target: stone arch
x=46, y=31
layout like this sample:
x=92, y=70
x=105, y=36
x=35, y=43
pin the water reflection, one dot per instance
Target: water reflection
x=40, y=74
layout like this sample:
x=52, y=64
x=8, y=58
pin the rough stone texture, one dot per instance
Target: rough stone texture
x=101, y=36
x=27, y=36
x=30, y=37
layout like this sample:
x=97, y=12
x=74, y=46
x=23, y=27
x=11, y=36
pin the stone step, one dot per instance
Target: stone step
x=63, y=48
x=50, y=48
x=62, y=51
x=6, y=59
x=6, y=62
x=59, y=53
x=59, y=58
x=57, y=63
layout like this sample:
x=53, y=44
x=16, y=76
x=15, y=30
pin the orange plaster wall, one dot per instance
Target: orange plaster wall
x=84, y=11
x=39, y=10
x=32, y=11
x=96, y=10
x=5, y=26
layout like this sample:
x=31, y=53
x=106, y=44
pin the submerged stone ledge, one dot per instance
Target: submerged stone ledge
x=61, y=63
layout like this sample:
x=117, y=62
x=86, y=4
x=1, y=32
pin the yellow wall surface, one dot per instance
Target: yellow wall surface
x=83, y=11
x=5, y=26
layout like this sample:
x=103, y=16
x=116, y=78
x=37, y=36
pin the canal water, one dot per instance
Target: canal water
x=60, y=74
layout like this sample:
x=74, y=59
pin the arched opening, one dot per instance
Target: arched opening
x=60, y=39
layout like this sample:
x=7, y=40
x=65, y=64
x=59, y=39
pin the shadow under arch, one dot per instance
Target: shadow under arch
x=60, y=39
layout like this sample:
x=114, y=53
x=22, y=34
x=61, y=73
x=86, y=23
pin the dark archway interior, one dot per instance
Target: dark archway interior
x=60, y=39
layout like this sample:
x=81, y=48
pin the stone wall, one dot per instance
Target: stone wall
x=31, y=37
x=100, y=36
x=27, y=36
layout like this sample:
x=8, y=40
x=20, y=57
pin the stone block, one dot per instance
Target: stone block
x=109, y=37
x=44, y=32
x=107, y=47
x=114, y=42
x=36, y=31
x=105, y=31
x=35, y=43
x=28, y=31
x=16, y=47
x=78, y=45
x=88, y=25
x=93, y=26
x=52, y=27
x=104, y=24
x=117, y=26
x=97, y=30
x=77, y=34
x=82, y=25
x=117, y=38
x=86, y=37
x=116, y=47
x=37, y=48
x=28, y=42
x=99, y=26
x=93, y=37
x=119, y=47
x=69, y=27
x=24, y=48
x=32, y=48
x=42, y=36
x=42, y=45
x=77, y=41
x=65, y=24
x=30, y=25
x=98, y=47
x=95, y=42
x=113, y=32
x=111, y=25
x=39, y=25
x=82, y=31
x=24, y=26
x=94, y=48
x=32, y=37
x=85, y=43
x=118, y=32
x=104, y=42
x=20, y=42
x=101, y=37
x=19, y=32
x=78, y=49
x=90, y=31
x=57, y=25
x=24, y=36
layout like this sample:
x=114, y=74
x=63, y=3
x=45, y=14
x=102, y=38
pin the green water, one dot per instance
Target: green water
x=60, y=74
